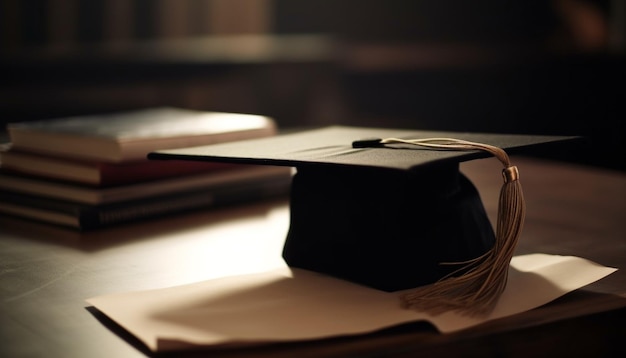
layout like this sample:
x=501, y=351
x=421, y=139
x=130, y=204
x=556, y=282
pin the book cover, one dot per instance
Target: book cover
x=88, y=217
x=12, y=182
x=131, y=135
x=96, y=173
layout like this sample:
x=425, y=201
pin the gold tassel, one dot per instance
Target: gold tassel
x=480, y=281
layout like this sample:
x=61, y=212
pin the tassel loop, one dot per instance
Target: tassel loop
x=510, y=174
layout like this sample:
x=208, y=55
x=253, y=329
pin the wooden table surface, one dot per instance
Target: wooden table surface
x=46, y=273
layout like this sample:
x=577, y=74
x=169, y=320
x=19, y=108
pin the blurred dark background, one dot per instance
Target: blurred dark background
x=545, y=66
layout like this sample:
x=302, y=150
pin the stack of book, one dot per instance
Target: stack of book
x=87, y=172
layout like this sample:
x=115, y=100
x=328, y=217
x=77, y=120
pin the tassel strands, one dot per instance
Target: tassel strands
x=474, y=289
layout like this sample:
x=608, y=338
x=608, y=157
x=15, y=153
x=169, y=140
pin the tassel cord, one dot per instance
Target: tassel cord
x=477, y=285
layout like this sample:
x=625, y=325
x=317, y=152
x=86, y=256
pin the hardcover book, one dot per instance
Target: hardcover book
x=11, y=182
x=92, y=216
x=96, y=173
x=131, y=135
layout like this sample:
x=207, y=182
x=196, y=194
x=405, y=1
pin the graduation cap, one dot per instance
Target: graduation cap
x=390, y=209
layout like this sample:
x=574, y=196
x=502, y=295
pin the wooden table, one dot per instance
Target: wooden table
x=46, y=273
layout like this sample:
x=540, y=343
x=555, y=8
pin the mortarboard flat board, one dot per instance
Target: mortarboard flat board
x=381, y=214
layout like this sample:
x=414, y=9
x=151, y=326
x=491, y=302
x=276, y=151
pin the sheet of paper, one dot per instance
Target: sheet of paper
x=292, y=304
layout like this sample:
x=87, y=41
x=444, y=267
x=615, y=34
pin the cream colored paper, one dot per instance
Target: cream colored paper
x=290, y=304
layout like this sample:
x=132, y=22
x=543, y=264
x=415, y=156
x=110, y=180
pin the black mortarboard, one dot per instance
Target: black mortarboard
x=390, y=213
